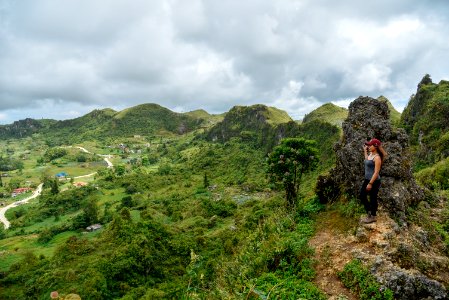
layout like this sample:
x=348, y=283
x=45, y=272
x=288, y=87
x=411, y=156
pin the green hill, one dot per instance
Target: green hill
x=88, y=126
x=328, y=112
x=24, y=128
x=209, y=119
x=148, y=119
x=252, y=123
x=144, y=119
x=426, y=121
x=395, y=116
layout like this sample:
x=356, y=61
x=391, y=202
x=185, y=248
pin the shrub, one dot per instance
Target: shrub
x=357, y=278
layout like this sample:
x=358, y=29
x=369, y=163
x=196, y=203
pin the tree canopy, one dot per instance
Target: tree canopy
x=291, y=159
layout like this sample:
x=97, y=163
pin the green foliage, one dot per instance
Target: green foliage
x=329, y=113
x=425, y=120
x=167, y=232
x=395, y=116
x=435, y=177
x=251, y=124
x=120, y=170
x=23, y=128
x=55, y=186
x=54, y=153
x=2, y=232
x=289, y=162
x=325, y=135
x=10, y=163
x=358, y=278
x=91, y=211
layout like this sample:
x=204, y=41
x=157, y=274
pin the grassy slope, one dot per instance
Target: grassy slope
x=328, y=112
x=395, y=116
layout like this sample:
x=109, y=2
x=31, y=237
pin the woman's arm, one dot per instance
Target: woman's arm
x=365, y=150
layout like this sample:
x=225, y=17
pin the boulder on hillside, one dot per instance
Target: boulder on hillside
x=370, y=118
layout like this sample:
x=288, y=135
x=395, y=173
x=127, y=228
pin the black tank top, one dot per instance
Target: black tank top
x=369, y=168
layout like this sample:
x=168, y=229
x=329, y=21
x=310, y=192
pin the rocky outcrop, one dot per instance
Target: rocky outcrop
x=369, y=118
x=397, y=251
x=402, y=259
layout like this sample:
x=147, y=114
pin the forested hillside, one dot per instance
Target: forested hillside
x=188, y=211
x=426, y=121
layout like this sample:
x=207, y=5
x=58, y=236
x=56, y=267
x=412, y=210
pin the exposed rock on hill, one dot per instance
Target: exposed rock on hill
x=23, y=128
x=369, y=118
x=252, y=123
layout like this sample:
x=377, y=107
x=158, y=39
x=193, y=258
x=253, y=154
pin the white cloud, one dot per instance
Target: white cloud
x=343, y=102
x=368, y=78
x=214, y=54
x=291, y=101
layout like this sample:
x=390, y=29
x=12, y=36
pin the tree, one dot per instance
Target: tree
x=55, y=186
x=120, y=170
x=291, y=159
x=91, y=211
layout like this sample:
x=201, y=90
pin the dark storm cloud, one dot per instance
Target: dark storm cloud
x=76, y=55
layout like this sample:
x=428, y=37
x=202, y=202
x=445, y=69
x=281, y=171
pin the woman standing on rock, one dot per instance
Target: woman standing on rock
x=374, y=156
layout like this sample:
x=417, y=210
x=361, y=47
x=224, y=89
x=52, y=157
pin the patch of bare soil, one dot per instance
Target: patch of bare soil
x=333, y=244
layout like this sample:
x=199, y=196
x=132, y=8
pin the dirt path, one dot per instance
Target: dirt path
x=3, y=210
x=336, y=243
x=105, y=157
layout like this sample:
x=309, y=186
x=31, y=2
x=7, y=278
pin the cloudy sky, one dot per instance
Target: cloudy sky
x=63, y=58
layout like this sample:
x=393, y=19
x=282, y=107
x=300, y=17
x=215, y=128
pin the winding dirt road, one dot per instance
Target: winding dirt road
x=38, y=191
x=3, y=210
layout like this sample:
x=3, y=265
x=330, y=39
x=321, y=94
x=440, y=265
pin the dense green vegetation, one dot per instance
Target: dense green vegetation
x=425, y=120
x=328, y=112
x=182, y=217
x=167, y=235
x=289, y=162
x=188, y=211
x=144, y=119
x=9, y=164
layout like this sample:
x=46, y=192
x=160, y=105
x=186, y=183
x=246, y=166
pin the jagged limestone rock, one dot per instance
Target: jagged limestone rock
x=408, y=286
x=369, y=118
x=395, y=266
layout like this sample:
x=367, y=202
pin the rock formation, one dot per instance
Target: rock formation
x=369, y=118
x=394, y=253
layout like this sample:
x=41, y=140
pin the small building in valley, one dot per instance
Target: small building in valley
x=93, y=227
x=19, y=191
x=80, y=184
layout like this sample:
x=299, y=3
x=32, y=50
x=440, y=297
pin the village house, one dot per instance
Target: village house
x=80, y=184
x=61, y=175
x=93, y=227
x=19, y=191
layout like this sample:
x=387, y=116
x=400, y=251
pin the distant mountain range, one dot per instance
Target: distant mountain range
x=145, y=119
x=153, y=119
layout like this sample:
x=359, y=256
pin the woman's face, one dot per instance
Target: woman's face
x=371, y=148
